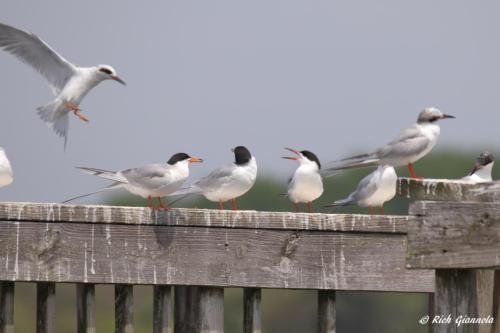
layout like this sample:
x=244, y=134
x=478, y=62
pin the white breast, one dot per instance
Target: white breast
x=306, y=185
x=6, y=174
x=386, y=188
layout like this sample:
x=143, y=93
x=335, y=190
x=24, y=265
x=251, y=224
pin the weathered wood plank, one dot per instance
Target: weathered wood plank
x=45, y=307
x=85, y=308
x=6, y=307
x=447, y=190
x=186, y=310
x=463, y=292
x=454, y=235
x=141, y=254
x=162, y=307
x=496, y=302
x=124, y=308
x=252, y=320
x=14, y=211
x=211, y=310
x=326, y=311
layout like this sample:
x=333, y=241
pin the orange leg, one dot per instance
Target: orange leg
x=221, y=205
x=413, y=174
x=370, y=210
x=296, y=208
x=309, y=207
x=382, y=210
x=150, y=203
x=162, y=206
x=233, y=204
x=76, y=110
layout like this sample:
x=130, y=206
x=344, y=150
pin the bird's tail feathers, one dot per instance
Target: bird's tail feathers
x=56, y=118
x=106, y=174
x=354, y=165
x=342, y=202
x=112, y=186
x=183, y=194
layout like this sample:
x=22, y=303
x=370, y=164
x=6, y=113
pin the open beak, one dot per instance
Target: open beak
x=195, y=160
x=292, y=158
x=117, y=78
x=448, y=116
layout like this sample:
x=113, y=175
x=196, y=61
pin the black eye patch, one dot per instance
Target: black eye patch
x=105, y=70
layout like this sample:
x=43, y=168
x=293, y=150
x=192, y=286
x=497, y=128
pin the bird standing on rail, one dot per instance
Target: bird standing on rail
x=69, y=83
x=481, y=173
x=6, y=174
x=306, y=184
x=373, y=190
x=227, y=182
x=411, y=145
x=152, y=180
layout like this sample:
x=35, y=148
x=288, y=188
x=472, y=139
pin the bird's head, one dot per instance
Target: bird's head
x=241, y=155
x=485, y=158
x=305, y=157
x=431, y=115
x=183, y=158
x=106, y=72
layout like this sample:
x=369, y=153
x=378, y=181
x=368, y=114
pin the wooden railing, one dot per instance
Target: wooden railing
x=201, y=252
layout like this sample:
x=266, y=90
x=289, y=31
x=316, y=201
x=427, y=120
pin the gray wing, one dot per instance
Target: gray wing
x=217, y=178
x=366, y=187
x=151, y=176
x=33, y=51
x=409, y=142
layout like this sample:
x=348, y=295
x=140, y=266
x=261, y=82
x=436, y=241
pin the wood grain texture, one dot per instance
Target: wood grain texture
x=7, y=307
x=162, y=309
x=462, y=292
x=454, y=235
x=45, y=307
x=327, y=311
x=186, y=309
x=226, y=257
x=210, y=310
x=252, y=318
x=124, y=308
x=447, y=190
x=202, y=217
x=85, y=308
x=496, y=302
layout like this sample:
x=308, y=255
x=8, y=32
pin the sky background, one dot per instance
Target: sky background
x=333, y=77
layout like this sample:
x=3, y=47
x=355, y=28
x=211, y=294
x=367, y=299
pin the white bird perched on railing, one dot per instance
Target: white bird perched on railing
x=306, y=184
x=481, y=173
x=69, y=83
x=411, y=145
x=225, y=183
x=374, y=190
x=152, y=180
x=6, y=174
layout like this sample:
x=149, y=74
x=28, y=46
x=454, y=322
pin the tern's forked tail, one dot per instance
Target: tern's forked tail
x=56, y=117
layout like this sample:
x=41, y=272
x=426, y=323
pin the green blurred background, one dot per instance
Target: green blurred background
x=283, y=311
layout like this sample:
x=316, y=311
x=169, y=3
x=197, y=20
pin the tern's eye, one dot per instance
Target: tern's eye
x=105, y=70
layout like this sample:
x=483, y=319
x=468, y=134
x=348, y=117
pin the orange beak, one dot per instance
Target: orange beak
x=118, y=79
x=195, y=160
x=292, y=158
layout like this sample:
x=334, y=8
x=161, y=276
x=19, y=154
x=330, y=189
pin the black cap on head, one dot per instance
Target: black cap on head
x=177, y=158
x=485, y=158
x=311, y=157
x=242, y=155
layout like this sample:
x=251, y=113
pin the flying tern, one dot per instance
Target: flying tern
x=152, y=180
x=373, y=190
x=227, y=182
x=6, y=174
x=411, y=145
x=481, y=173
x=69, y=83
x=306, y=184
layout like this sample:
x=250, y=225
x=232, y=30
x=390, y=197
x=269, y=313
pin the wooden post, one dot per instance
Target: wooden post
x=6, y=307
x=251, y=310
x=211, y=310
x=185, y=309
x=496, y=303
x=326, y=311
x=85, y=308
x=162, y=306
x=45, y=307
x=124, y=308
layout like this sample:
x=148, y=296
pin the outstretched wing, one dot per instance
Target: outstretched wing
x=33, y=51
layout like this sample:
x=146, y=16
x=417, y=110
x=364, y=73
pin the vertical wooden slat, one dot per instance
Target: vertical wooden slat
x=85, y=308
x=463, y=292
x=45, y=307
x=6, y=307
x=496, y=303
x=326, y=311
x=251, y=310
x=162, y=306
x=124, y=308
x=211, y=310
x=186, y=309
